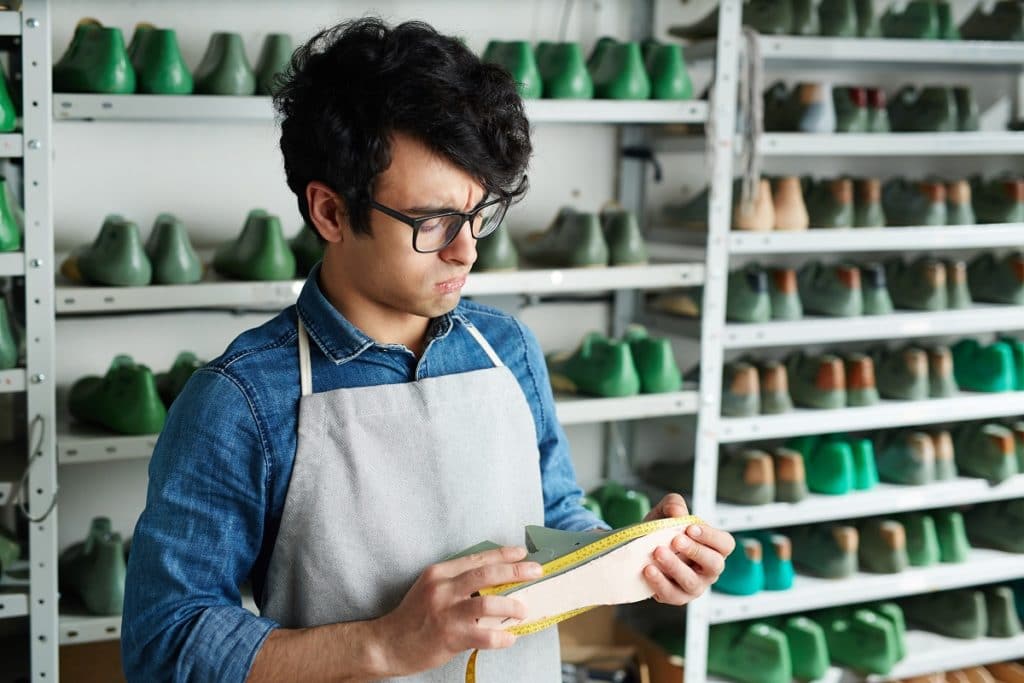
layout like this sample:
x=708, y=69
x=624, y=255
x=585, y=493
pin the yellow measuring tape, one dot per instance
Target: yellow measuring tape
x=565, y=562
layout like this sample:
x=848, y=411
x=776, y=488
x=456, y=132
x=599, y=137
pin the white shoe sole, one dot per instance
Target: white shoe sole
x=614, y=578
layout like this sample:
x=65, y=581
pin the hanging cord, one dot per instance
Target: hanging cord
x=19, y=496
x=751, y=110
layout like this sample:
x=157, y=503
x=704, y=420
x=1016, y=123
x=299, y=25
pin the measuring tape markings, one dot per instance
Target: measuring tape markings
x=562, y=564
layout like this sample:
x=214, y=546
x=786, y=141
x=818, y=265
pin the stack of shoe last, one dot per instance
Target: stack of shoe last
x=97, y=61
x=599, y=366
x=129, y=398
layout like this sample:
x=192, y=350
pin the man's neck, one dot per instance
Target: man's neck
x=383, y=325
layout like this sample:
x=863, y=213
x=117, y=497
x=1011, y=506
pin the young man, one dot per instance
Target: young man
x=337, y=453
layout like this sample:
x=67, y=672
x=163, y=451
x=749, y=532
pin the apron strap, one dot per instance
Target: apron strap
x=305, y=368
x=488, y=349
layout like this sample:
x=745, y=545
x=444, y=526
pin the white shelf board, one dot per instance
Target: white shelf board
x=888, y=53
x=589, y=410
x=215, y=294
x=893, y=144
x=10, y=145
x=877, y=239
x=881, y=500
x=86, y=107
x=931, y=653
x=616, y=111
x=10, y=23
x=12, y=263
x=76, y=445
x=900, y=325
x=12, y=381
x=809, y=593
x=964, y=406
x=73, y=299
x=14, y=591
x=549, y=281
x=77, y=627
x=13, y=604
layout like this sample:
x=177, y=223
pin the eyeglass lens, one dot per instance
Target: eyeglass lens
x=436, y=233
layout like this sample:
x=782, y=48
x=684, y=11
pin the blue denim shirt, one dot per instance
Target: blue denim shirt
x=220, y=471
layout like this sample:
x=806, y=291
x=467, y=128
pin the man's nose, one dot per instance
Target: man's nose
x=463, y=248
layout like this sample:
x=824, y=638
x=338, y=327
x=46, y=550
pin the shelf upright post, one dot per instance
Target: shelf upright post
x=619, y=437
x=723, y=119
x=40, y=346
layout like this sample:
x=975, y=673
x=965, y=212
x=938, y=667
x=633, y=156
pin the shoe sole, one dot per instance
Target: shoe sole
x=606, y=572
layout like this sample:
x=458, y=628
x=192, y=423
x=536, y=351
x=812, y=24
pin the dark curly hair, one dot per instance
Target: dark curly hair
x=352, y=85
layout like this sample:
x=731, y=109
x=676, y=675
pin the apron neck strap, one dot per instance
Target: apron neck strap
x=488, y=349
x=306, y=369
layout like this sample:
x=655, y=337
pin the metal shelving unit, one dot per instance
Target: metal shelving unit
x=825, y=240
x=33, y=144
x=965, y=406
x=823, y=330
x=79, y=107
x=76, y=445
x=74, y=299
x=828, y=53
x=884, y=499
x=930, y=652
x=892, y=144
x=810, y=593
x=718, y=244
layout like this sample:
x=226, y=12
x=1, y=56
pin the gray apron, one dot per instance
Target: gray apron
x=390, y=479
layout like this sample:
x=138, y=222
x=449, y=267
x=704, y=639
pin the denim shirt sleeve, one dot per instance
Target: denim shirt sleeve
x=562, y=509
x=196, y=541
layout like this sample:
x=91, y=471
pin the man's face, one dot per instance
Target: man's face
x=383, y=267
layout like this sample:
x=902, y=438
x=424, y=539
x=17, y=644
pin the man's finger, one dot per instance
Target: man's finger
x=698, y=556
x=500, y=606
x=672, y=505
x=665, y=589
x=716, y=539
x=461, y=565
x=495, y=574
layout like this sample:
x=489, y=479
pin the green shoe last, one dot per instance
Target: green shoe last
x=169, y=384
x=259, y=253
x=654, y=360
x=275, y=56
x=116, y=257
x=598, y=366
x=922, y=539
x=159, y=66
x=170, y=253
x=224, y=69
x=669, y=77
x=953, y=544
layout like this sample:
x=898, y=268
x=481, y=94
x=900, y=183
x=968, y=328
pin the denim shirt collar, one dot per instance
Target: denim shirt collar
x=339, y=339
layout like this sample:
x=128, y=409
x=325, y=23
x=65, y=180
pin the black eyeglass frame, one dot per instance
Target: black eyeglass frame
x=416, y=222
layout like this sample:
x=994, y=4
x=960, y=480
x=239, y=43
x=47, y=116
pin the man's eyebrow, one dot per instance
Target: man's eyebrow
x=443, y=209
x=431, y=209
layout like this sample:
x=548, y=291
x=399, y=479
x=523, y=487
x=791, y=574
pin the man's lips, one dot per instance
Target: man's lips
x=452, y=285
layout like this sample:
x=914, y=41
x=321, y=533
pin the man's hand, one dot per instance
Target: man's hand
x=687, y=567
x=437, y=618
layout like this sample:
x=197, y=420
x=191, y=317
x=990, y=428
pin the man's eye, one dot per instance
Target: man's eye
x=432, y=224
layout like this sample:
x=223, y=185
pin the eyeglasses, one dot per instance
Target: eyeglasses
x=435, y=232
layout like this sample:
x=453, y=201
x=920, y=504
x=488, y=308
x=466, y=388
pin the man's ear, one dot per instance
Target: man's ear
x=327, y=211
